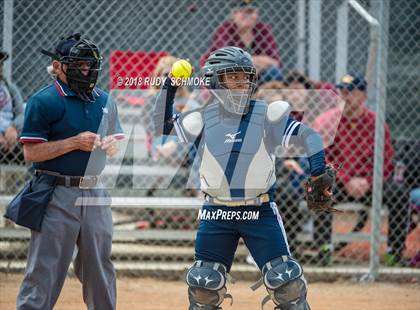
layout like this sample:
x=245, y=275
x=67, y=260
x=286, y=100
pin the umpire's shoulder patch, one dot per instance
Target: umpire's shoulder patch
x=277, y=110
x=193, y=123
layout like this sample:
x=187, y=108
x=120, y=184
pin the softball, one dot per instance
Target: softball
x=181, y=69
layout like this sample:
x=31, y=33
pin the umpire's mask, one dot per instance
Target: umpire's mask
x=83, y=61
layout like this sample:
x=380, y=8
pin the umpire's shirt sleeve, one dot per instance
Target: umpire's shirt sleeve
x=39, y=115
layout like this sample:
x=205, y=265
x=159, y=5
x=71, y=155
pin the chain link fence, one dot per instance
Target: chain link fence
x=155, y=213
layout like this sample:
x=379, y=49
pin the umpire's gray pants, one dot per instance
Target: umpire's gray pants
x=50, y=252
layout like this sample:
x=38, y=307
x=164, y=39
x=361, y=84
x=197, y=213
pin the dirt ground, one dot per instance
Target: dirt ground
x=151, y=294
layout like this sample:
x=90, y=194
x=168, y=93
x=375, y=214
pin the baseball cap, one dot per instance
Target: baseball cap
x=247, y=5
x=63, y=47
x=352, y=81
x=3, y=56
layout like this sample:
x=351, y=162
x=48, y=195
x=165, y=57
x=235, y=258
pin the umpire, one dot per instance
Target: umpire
x=65, y=124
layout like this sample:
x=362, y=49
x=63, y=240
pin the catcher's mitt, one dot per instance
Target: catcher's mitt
x=319, y=191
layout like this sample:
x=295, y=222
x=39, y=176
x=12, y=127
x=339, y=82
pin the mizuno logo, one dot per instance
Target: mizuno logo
x=231, y=137
x=198, y=278
x=207, y=280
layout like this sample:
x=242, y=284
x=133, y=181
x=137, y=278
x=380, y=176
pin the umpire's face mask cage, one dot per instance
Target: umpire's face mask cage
x=235, y=87
x=83, y=66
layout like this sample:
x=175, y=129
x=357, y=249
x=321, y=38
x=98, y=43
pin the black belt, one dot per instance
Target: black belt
x=72, y=181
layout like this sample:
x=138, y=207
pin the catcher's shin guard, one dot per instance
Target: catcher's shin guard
x=285, y=283
x=206, y=285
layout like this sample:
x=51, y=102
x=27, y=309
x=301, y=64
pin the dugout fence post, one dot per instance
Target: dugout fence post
x=315, y=19
x=301, y=36
x=341, y=41
x=376, y=77
x=380, y=76
x=7, y=37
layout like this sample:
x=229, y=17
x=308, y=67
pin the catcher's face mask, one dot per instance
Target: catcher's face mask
x=236, y=87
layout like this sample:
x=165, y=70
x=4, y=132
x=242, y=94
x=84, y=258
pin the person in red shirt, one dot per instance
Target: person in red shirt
x=245, y=31
x=353, y=148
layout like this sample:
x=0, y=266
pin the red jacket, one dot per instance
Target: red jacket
x=353, y=144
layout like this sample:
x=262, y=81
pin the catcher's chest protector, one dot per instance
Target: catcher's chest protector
x=235, y=164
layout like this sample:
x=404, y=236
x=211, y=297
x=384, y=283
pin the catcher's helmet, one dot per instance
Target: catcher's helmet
x=73, y=52
x=226, y=60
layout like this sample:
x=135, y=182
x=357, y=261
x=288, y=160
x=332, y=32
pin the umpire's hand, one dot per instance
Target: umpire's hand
x=88, y=141
x=110, y=145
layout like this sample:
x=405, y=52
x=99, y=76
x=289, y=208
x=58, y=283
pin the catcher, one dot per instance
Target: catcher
x=236, y=137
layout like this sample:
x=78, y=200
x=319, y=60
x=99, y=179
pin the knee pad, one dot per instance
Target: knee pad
x=206, y=285
x=285, y=283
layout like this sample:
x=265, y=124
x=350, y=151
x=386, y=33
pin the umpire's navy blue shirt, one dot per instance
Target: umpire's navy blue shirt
x=56, y=113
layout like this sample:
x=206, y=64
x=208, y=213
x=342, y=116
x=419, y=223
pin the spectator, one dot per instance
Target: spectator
x=298, y=93
x=407, y=170
x=353, y=147
x=414, y=221
x=271, y=91
x=244, y=30
x=297, y=80
x=11, y=118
